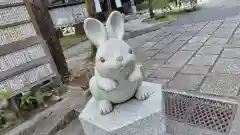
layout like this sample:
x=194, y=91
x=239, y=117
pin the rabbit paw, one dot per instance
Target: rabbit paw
x=141, y=94
x=107, y=84
x=136, y=75
x=105, y=107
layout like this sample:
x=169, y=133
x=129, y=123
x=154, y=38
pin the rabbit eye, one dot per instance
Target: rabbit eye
x=130, y=51
x=102, y=59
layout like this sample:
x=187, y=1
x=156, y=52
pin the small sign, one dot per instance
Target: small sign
x=97, y=6
x=118, y=3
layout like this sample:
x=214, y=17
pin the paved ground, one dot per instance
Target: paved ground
x=201, y=57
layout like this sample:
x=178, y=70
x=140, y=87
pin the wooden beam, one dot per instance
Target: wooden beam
x=15, y=46
x=14, y=24
x=11, y=5
x=23, y=68
x=38, y=82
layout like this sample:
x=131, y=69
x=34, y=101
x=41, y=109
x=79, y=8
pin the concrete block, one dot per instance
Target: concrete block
x=130, y=118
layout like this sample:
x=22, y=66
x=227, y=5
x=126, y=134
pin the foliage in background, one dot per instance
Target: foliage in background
x=162, y=4
x=5, y=94
x=179, y=3
x=165, y=5
x=31, y=100
x=42, y=94
x=28, y=101
x=7, y=116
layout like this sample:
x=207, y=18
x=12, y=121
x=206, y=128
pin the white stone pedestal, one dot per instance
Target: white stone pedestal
x=131, y=118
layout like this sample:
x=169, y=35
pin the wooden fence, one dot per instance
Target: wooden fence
x=25, y=59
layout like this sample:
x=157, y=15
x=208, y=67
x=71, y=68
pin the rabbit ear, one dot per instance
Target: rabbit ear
x=95, y=31
x=115, y=25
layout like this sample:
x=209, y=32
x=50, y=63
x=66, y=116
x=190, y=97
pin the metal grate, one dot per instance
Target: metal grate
x=176, y=108
x=211, y=117
x=200, y=112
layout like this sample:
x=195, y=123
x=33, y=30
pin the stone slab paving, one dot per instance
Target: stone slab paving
x=186, y=82
x=221, y=84
x=195, y=69
x=203, y=57
x=227, y=66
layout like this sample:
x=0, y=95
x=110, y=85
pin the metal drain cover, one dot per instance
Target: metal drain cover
x=200, y=112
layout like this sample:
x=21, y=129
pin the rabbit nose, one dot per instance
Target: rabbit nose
x=120, y=58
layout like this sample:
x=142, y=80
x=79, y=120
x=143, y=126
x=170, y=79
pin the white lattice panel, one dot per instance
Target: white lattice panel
x=13, y=14
x=67, y=15
x=9, y=60
x=24, y=79
x=16, y=33
x=5, y=2
x=36, y=51
x=21, y=57
x=4, y=86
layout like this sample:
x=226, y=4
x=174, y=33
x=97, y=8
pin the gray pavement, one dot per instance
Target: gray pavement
x=200, y=58
x=196, y=57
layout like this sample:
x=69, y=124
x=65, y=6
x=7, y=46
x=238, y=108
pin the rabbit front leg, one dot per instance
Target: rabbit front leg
x=137, y=75
x=104, y=105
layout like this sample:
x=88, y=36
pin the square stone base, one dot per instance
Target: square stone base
x=131, y=118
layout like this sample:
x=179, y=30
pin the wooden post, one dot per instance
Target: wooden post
x=109, y=7
x=150, y=8
x=43, y=20
x=133, y=7
x=90, y=7
x=91, y=12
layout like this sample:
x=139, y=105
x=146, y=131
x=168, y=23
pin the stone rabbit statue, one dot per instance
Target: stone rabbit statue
x=117, y=76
